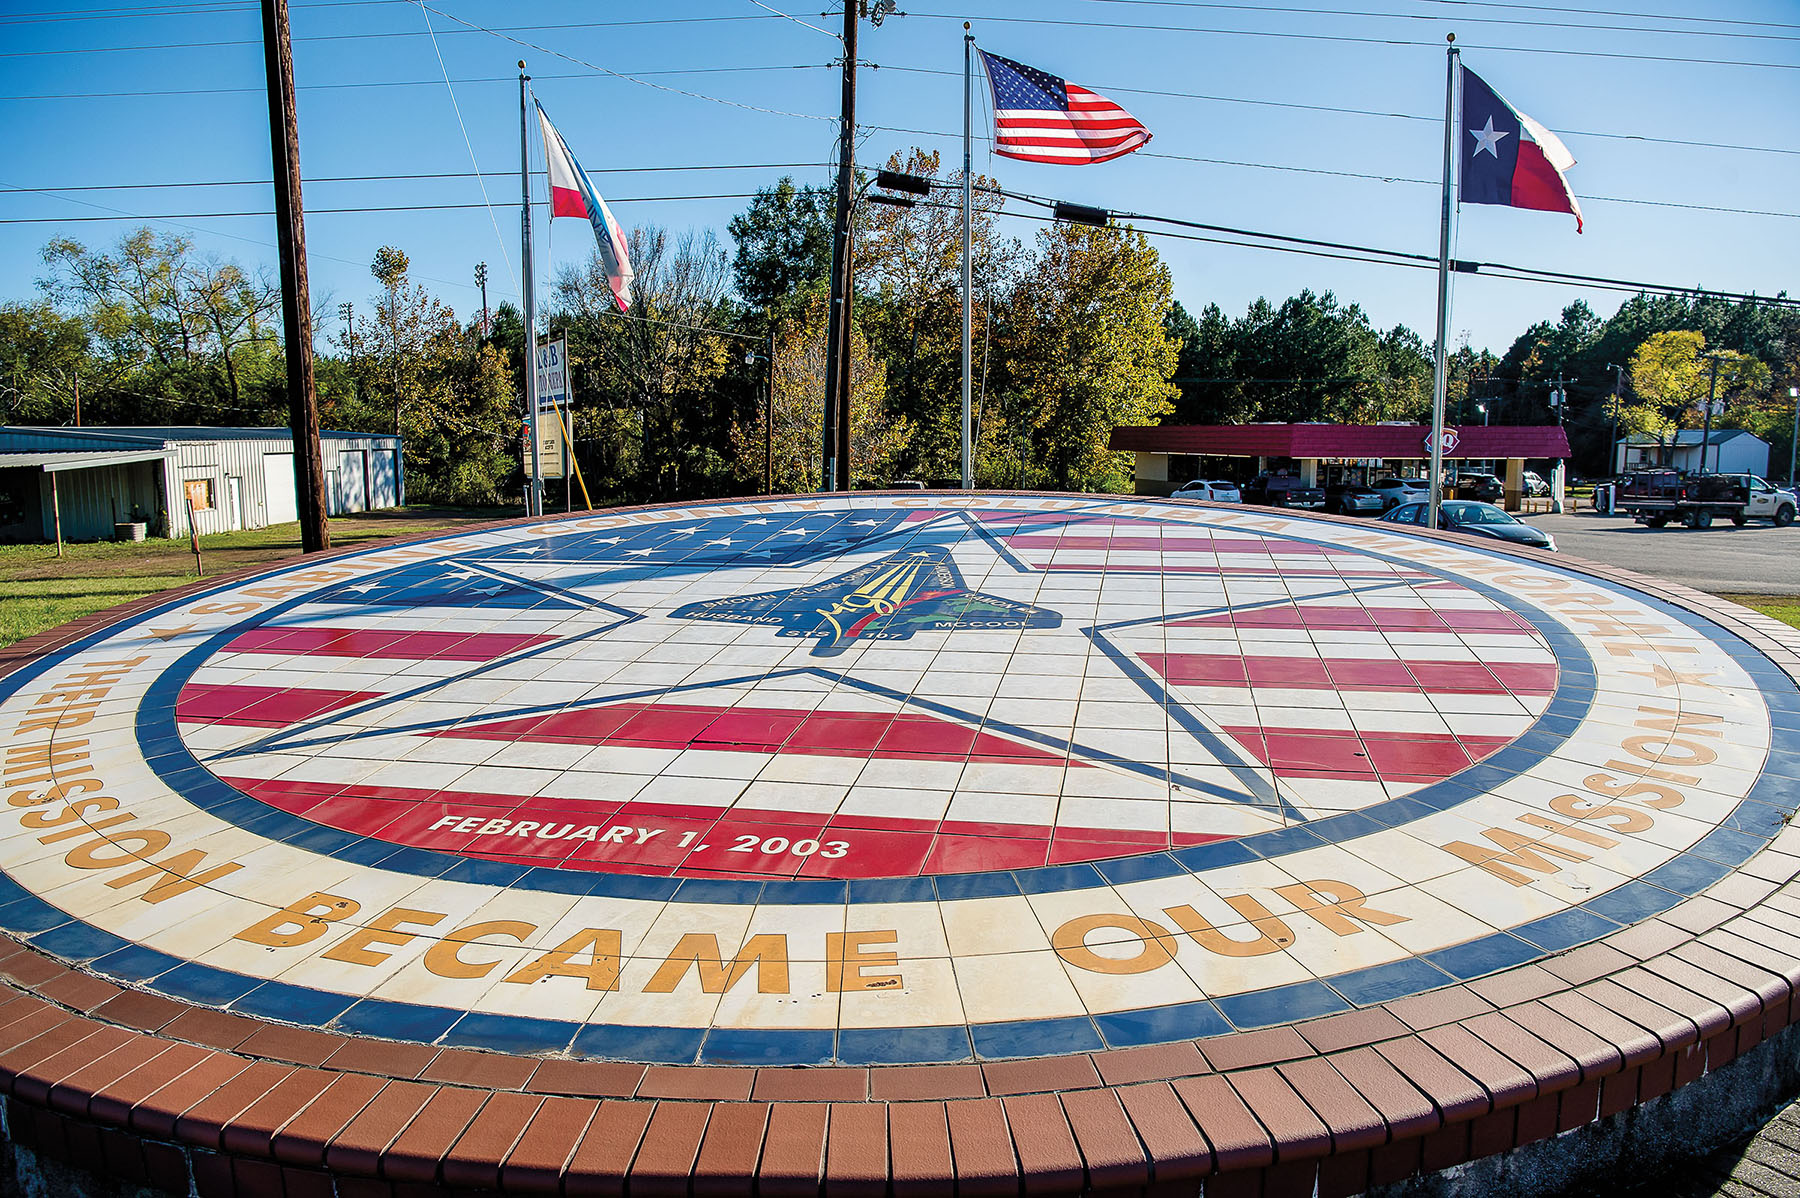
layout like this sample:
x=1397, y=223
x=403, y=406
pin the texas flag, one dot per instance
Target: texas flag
x=1510, y=159
x=573, y=194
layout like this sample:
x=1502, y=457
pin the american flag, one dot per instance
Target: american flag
x=1040, y=118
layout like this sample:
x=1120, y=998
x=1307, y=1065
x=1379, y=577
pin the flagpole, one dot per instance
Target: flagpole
x=534, y=502
x=1439, y=375
x=968, y=312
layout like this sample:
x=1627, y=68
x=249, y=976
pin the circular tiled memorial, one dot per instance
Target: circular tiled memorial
x=1099, y=841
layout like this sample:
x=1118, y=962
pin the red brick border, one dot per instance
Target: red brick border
x=158, y=1093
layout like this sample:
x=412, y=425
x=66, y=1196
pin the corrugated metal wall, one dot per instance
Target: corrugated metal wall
x=239, y=466
x=92, y=501
x=232, y=478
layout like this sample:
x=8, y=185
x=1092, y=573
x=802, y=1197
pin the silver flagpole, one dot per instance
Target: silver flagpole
x=534, y=503
x=968, y=311
x=1440, y=378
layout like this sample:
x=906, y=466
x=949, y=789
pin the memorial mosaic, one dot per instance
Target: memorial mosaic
x=876, y=779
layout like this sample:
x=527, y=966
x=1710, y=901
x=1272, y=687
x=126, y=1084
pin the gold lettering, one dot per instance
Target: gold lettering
x=442, y=959
x=603, y=946
x=301, y=922
x=845, y=960
x=1338, y=906
x=1519, y=852
x=700, y=951
x=1272, y=935
x=86, y=855
x=383, y=929
x=1152, y=939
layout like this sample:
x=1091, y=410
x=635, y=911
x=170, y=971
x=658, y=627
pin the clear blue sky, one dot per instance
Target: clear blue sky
x=172, y=94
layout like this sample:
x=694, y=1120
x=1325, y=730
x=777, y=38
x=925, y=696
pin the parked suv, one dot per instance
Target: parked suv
x=1281, y=490
x=1217, y=490
x=1395, y=491
x=1483, y=487
x=1353, y=499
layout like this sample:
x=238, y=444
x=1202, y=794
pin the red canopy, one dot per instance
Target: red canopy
x=1341, y=440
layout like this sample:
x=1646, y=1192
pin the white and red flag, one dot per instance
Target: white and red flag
x=1510, y=159
x=1041, y=118
x=572, y=194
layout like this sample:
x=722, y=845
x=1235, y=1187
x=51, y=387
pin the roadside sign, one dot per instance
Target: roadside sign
x=553, y=374
x=551, y=459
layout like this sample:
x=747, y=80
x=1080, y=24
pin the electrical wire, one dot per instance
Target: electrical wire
x=374, y=83
x=611, y=170
x=1368, y=112
x=1347, y=38
x=311, y=212
x=582, y=62
x=1461, y=18
x=399, y=33
x=505, y=257
x=1378, y=256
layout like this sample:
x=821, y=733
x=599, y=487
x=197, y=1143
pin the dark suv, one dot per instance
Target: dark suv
x=1483, y=487
x=1280, y=490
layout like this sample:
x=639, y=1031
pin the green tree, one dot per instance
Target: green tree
x=909, y=304
x=783, y=242
x=653, y=409
x=1667, y=377
x=43, y=358
x=1089, y=354
x=876, y=436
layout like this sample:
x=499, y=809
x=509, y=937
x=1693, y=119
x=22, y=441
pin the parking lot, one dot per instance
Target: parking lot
x=1754, y=559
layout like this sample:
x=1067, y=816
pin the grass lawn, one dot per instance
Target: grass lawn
x=1785, y=608
x=39, y=590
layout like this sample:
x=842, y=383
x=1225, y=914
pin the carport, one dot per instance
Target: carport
x=1325, y=453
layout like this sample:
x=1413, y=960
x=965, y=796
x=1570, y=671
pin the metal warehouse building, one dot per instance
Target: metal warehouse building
x=87, y=481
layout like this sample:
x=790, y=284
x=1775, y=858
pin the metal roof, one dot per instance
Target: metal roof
x=50, y=463
x=23, y=438
x=1341, y=440
x=1687, y=437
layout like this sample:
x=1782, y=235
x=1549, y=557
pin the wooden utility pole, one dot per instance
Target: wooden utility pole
x=835, y=472
x=296, y=303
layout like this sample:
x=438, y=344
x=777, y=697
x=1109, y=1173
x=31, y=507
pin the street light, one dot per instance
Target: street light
x=1482, y=408
x=1794, y=395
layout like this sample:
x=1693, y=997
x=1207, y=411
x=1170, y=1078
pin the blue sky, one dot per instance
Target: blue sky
x=170, y=94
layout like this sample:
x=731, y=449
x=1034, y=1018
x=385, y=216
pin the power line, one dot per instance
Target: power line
x=1603, y=12
x=611, y=170
x=396, y=33
x=374, y=83
x=1318, y=170
x=1369, y=112
x=1461, y=18
x=170, y=216
x=1339, y=37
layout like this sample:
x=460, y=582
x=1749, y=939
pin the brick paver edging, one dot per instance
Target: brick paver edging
x=159, y=1093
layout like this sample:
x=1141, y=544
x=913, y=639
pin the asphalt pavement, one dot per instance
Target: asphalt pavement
x=1755, y=559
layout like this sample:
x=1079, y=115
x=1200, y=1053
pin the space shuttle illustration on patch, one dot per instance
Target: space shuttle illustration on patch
x=915, y=591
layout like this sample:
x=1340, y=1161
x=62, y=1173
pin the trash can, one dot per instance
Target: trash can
x=1603, y=499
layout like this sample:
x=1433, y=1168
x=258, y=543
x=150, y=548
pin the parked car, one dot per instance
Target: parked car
x=1216, y=490
x=1353, y=499
x=1535, y=485
x=1280, y=490
x=1395, y=491
x=1476, y=519
x=1483, y=487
